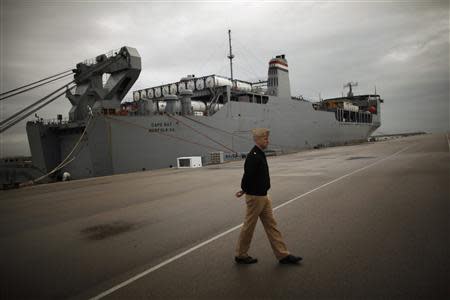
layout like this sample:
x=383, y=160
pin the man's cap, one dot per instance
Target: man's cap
x=258, y=132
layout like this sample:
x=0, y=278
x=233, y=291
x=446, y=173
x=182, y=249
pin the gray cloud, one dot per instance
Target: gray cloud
x=401, y=47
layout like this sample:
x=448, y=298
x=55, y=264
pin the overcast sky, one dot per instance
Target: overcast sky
x=401, y=47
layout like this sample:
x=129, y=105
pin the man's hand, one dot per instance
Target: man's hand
x=239, y=194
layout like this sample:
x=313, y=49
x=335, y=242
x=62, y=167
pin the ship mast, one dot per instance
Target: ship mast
x=230, y=56
x=350, y=85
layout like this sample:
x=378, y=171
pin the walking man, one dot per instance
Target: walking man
x=255, y=184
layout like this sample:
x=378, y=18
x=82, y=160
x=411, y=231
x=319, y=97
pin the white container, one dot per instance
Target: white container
x=165, y=90
x=181, y=86
x=143, y=94
x=200, y=84
x=162, y=106
x=150, y=93
x=157, y=92
x=173, y=89
x=243, y=86
x=259, y=89
x=198, y=106
x=213, y=81
x=191, y=85
x=136, y=96
x=189, y=162
x=350, y=107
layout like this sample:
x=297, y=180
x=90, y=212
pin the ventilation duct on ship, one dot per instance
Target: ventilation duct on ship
x=172, y=104
x=150, y=107
x=186, y=102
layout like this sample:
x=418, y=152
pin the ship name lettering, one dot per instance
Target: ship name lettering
x=161, y=124
x=160, y=127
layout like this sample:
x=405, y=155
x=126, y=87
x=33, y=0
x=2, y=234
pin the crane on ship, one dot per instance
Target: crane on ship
x=121, y=67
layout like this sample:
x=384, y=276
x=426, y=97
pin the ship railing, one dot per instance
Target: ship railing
x=93, y=61
x=112, y=53
x=89, y=61
x=18, y=161
x=350, y=117
x=53, y=121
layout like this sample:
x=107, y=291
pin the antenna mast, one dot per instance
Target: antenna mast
x=350, y=85
x=230, y=56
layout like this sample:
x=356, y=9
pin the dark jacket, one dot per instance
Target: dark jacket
x=256, y=180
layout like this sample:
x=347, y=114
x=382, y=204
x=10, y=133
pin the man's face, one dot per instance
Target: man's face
x=262, y=141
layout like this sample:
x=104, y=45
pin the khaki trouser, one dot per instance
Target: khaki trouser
x=260, y=206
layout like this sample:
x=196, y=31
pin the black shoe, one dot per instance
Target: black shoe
x=290, y=259
x=246, y=260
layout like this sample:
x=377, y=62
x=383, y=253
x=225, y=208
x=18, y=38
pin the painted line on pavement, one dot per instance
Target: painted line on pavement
x=176, y=257
x=340, y=178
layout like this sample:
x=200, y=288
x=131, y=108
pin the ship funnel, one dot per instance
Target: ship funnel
x=278, y=78
x=186, y=107
x=172, y=104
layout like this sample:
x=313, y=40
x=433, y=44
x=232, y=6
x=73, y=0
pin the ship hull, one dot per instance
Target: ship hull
x=120, y=144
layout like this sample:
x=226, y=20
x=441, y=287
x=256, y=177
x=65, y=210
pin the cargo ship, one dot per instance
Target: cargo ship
x=209, y=116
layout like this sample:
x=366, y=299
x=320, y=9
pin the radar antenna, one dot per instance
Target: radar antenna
x=230, y=56
x=350, y=85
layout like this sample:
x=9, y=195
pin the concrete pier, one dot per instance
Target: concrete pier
x=370, y=220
